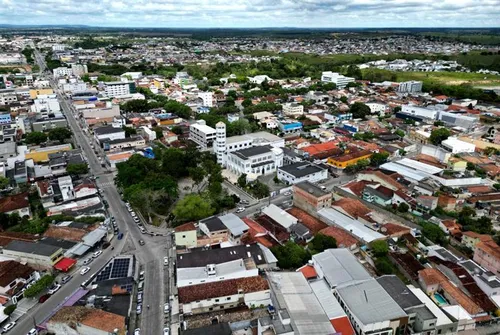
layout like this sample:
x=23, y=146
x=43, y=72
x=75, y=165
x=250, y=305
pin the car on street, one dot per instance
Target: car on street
x=43, y=298
x=165, y=261
x=54, y=289
x=138, y=310
x=137, y=331
x=141, y=275
x=120, y=236
x=87, y=261
x=97, y=254
x=8, y=327
x=33, y=331
x=166, y=331
x=84, y=270
x=66, y=279
x=141, y=242
x=287, y=193
x=166, y=308
x=240, y=209
x=113, y=219
x=139, y=297
x=143, y=231
x=244, y=202
x=133, y=214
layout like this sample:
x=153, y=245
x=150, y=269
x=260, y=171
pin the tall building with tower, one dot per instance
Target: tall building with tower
x=220, y=141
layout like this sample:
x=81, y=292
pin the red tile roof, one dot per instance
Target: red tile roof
x=342, y=325
x=353, y=207
x=11, y=270
x=66, y=233
x=357, y=187
x=223, y=288
x=6, y=237
x=185, y=227
x=313, y=224
x=390, y=229
x=14, y=202
x=490, y=248
x=257, y=234
x=308, y=271
x=91, y=317
x=343, y=238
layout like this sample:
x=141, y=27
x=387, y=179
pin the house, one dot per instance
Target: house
x=470, y=239
x=380, y=195
x=310, y=197
x=14, y=275
x=341, y=162
x=236, y=227
x=16, y=204
x=221, y=328
x=108, y=133
x=37, y=255
x=75, y=320
x=280, y=216
x=186, y=235
x=204, y=298
x=487, y=255
x=302, y=171
x=214, y=228
x=426, y=202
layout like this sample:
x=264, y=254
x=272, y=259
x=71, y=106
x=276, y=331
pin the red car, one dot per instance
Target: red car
x=43, y=298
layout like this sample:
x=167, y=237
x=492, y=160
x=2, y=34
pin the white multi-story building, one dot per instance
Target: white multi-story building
x=79, y=69
x=455, y=146
x=46, y=104
x=202, y=134
x=116, y=88
x=334, y=77
x=7, y=98
x=302, y=171
x=376, y=108
x=255, y=161
x=293, y=109
x=410, y=87
x=422, y=112
x=108, y=133
x=220, y=142
x=58, y=47
x=74, y=87
x=62, y=72
x=207, y=97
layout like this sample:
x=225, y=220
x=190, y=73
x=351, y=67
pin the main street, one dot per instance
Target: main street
x=150, y=256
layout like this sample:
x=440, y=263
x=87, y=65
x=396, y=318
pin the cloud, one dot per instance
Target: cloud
x=254, y=13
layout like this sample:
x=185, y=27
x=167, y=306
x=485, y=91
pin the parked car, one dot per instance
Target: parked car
x=136, y=220
x=105, y=245
x=244, y=202
x=84, y=270
x=240, y=209
x=97, y=254
x=166, y=331
x=141, y=242
x=8, y=326
x=138, y=310
x=139, y=297
x=54, y=289
x=287, y=193
x=141, y=275
x=137, y=331
x=88, y=261
x=33, y=331
x=66, y=279
x=120, y=236
x=165, y=261
x=166, y=308
x=43, y=298
x=143, y=231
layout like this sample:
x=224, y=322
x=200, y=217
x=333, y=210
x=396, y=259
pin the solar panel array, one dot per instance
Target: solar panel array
x=118, y=268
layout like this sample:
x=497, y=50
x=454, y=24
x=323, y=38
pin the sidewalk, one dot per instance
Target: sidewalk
x=23, y=307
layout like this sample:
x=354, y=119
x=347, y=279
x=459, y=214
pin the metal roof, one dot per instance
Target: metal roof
x=431, y=169
x=235, y=225
x=339, y=266
x=405, y=171
x=369, y=302
x=325, y=297
x=280, y=216
x=94, y=236
x=442, y=319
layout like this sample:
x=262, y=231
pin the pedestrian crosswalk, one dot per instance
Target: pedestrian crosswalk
x=106, y=184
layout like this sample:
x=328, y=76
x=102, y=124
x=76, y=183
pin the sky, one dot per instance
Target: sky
x=253, y=13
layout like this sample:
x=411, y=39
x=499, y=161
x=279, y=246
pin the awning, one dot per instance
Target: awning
x=65, y=264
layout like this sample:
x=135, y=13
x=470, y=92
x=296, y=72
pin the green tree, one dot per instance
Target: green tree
x=10, y=309
x=383, y=266
x=36, y=137
x=434, y=233
x=359, y=110
x=177, y=130
x=246, y=103
x=290, y=255
x=403, y=207
x=438, y=135
x=77, y=169
x=380, y=248
x=378, y=158
x=242, y=180
x=59, y=134
x=343, y=99
x=400, y=133
x=260, y=190
x=470, y=166
x=39, y=286
x=276, y=180
x=129, y=131
x=495, y=186
x=192, y=207
x=322, y=242
x=197, y=173
x=4, y=182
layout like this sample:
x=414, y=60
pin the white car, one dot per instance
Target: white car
x=136, y=220
x=287, y=193
x=8, y=327
x=129, y=209
x=54, y=289
x=84, y=270
x=33, y=331
x=166, y=308
x=133, y=214
x=97, y=253
x=137, y=331
x=165, y=261
x=240, y=209
x=166, y=331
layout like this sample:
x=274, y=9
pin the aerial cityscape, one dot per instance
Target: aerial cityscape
x=249, y=168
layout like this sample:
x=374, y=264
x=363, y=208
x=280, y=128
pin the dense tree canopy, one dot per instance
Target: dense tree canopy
x=359, y=110
x=439, y=135
x=36, y=137
x=59, y=134
x=290, y=255
x=193, y=207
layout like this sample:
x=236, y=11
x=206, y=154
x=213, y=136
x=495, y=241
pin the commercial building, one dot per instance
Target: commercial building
x=34, y=93
x=74, y=87
x=42, y=154
x=410, y=87
x=124, y=143
x=62, y=72
x=46, y=104
x=302, y=171
x=118, y=88
x=293, y=109
x=455, y=146
x=341, y=162
x=289, y=126
x=457, y=120
x=420, y=112
x=108, y=133
x=79, y=69
x=310, y=198
x=202, y=134
x=339, y=80
x=255, y=161
x=207, y=98
x=7, y=98
x=46, y=124
x=74, y=320
x=38, y=255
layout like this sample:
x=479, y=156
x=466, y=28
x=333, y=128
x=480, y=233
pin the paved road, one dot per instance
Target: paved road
x=149, y=256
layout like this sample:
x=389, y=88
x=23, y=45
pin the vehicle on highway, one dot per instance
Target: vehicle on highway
x=87, y=261
x=166, y=308
x=141, y=242
x=54, y=289
x=120, y=236
x=137, y=331
x=84, y=270
x=66, y=279
x=166, y=331
x=138, y=310
x=97, y=254
x=105, y=202
x=8, y=327
x=240, y=209
x=33, y=331
x=43, y=298
x=165, y=261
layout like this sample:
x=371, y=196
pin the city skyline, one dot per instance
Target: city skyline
x=253, y=14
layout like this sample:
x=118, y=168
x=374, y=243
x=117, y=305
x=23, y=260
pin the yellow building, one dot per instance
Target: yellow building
x=344, y=161
x=42, y=154
x=159, y=83
x=34, y=93
x=457, y=164
x=186, y=235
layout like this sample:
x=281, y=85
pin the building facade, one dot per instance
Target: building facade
x=333, y=77
x=260, y=160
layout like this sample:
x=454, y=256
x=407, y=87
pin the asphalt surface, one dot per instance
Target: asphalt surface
x=149, y=257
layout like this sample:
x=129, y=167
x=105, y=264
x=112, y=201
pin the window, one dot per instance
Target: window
x=211, y=309
x=216, y=300
x=228, y=298
x=439, y=331
x=221, y=307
